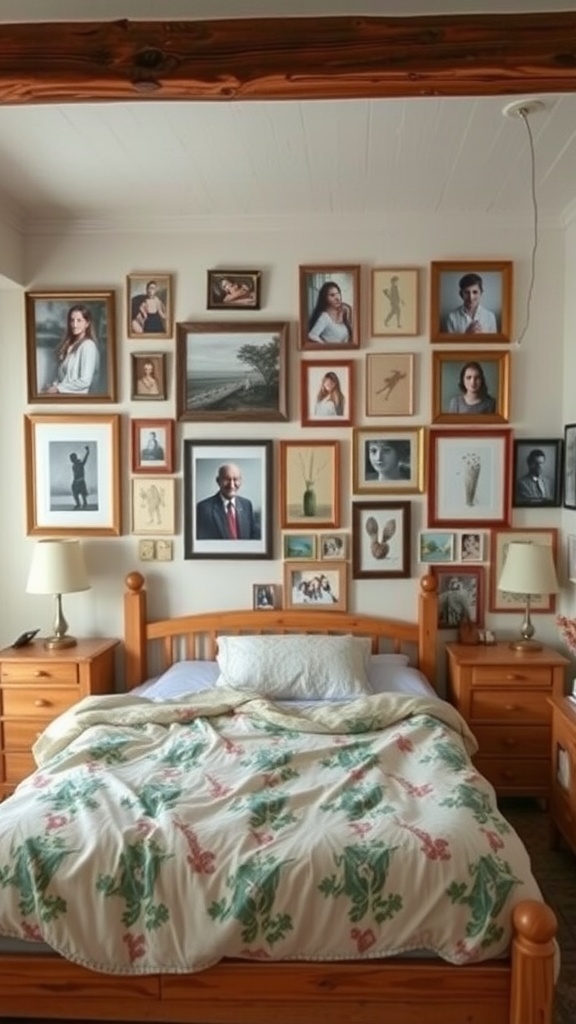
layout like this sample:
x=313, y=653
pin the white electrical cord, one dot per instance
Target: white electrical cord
x=523, y=114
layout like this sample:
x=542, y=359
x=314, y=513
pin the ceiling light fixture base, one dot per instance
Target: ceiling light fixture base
x=523, y=108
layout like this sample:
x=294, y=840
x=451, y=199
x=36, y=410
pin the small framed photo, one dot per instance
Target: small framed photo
x=299, y=547
x=387, y=460
x=333, y=546
x=470, y=476
x=435, y=546
x=309, y=484
x=502, y=600
x=233, y=289
x=570, y=465
x=152, y=446
x=380, y=540
x=321, y=586
x=265, y=597
x=390, y=384
x=72, y=475
x=571, y=557
x=71, y=346
x=460, y=596
x=470, y=390
x=327, y=393
x=394, y=304
x=153, y=507
x=148, y=376
x=537, y=473
x=149, y=306
x=471, y=299
x=329, y=307
x=472, y=546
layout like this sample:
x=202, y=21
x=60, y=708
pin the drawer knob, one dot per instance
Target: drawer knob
x=507, y=774
x=515, y=676
x=40, y=673
x=510, y=707
x=41, y=703
x=510, y=742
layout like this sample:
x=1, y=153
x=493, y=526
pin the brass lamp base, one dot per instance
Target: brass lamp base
x=58, y=643
x=525, y=646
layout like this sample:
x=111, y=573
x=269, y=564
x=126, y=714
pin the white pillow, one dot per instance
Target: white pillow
x=182, y=678
x=387, y=677
x=295, y=667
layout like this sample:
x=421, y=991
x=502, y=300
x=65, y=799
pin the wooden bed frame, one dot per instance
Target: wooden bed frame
x=518, y=990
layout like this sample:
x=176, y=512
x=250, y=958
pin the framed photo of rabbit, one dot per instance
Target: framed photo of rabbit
x=380, y=539
x=329, y=307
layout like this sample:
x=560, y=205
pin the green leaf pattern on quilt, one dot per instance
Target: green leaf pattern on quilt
x=361, y=877
x=34, y=864
x=135, y=882
x=493, y=882
x=254, y=887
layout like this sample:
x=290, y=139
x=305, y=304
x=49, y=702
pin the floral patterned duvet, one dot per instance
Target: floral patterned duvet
x=165, y=836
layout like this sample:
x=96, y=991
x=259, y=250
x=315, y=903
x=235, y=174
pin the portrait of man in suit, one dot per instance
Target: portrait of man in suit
x=536, y=477
x=226, y=515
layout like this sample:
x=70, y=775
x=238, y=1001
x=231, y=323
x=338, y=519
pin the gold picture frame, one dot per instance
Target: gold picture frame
x=319, y=586
x=149, y=306
x=388, y=460
x=490, y=389
x=309, y=484
x=491, y=320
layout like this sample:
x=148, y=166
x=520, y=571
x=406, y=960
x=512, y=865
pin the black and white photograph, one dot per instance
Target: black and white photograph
x=321, y=586
x=329, y=307
x=460, y=596
x=472, y=547
x=152, y=445
x=537, y=473
x=471, y=301
x=570, y=465
x=387, y=460
x=265, y=596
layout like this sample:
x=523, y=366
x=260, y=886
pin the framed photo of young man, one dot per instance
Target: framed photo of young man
x=329, y=307
x=227, y=499
x=152, y=446
x=537, y=473
x=468, y=390
x=471, y=301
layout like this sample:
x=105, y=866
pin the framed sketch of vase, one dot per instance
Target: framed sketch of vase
x=470, y=478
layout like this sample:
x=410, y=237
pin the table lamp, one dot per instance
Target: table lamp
x=58, y=568
x=528, y=570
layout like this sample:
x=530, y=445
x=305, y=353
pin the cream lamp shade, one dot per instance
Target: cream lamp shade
x=529, y=569
x=57, y=568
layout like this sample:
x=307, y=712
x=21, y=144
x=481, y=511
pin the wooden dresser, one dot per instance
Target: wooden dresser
x=505, y=698
x=36, y=685
x=563, y=784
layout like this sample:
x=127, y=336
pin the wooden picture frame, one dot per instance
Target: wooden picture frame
x=327, y=393
x=390, y=383
x=299, y=547
x=394, y=304
x=153, y=505
x=571, y=557
x=152, y=446
x=502, y=601
x=148, y=377
x=537, y=473
x=388, y=460
x=460, y=596
x=321, y=586
x=71, y=346
x=266, y=597
x=435, y=546
x=212, y=467
x=72, y=475
x=309, y=484
x=569, y=474
x=333, y=546
x=472, y=546
x=488, y=280
x=232, y=371
x=380, y=539
x=329, y=307
x=485, y=379
x=233, y=289
x=469, y=478
x=149, y=305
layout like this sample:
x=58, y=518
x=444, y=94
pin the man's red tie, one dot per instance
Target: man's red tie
x=231, y=517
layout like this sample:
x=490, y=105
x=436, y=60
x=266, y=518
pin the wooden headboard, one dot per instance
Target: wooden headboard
x=151, y=647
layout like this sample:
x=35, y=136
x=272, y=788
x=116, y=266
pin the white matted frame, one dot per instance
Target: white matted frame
x=321, y=586
x=327, y=393
x=502, y=600
x=390, y=384
x=333, y=546
x=469, y=478
x=153, y=506
x=435, y=546
x=472, y=546
x=387, y=460
x=309, y=484
x=394, y=301
x=380, y=539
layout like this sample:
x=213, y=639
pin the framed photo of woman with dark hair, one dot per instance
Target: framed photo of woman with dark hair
x=470, y=390
x=329, y=304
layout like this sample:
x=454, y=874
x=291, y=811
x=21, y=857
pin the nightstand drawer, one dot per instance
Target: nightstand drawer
x=515, y=706
x=36, y=671
x=504, y=675
x=22, y=733
x=17, y=766
x=37, y=702
x=517, y=775
x=513, y=741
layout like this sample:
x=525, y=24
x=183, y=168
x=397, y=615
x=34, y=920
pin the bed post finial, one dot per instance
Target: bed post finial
x=136, y=666
x=428, y=626
x=134, y=581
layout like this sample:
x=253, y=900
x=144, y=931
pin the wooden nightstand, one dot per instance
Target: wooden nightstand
x=504, y=697
x=563, y=787
x=36, y=685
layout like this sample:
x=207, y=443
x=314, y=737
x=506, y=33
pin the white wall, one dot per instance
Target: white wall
x=84, y=259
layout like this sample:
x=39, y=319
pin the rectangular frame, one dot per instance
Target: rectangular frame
x=153, y=505
x=319, y=330
x=205, y=530
x=394, y=302
x=234, y=371
x=460, y=596
x=390, y=384
x=547, y=455
x=266, y=596
x=472, y=546
x=435, y=546
x=299, y=547
x=149, y=306
x=327, y=393
x=333, y=546
x=321, y=586
x=154, y=453
x=571, y=557
x=569, y=474
x=387, y=460
x=61, y=368
x=309, y=484
x=459, y=493
x=233, y=289
x=380, y=540
x=446, y=300
x=448, y=390
x=148, y=377
x=54, y=484
x=502, y=601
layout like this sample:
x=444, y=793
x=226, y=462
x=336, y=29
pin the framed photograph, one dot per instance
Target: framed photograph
x=387, y=460
x=148, y=377
x=472, y=546
x=571, y=557
x=470, y=475
x=333, y=546
x=299, y=547
x=152, y=446
x=318, y=585
x=394, y=305
x=327, y=393
x=265, y=596
x=227, y=499
x=309, y=484
x=537, y=473
x=380, y=539
x=460, y=596
x=72, y=475
x=471, y=298
x=570, y=465
x=390, y=384
x=71, y=346
x=435, y=546
x=232, y=371
x=233, y=289
x=153, y=507
x=502, y=600
x=329, y=307
x=470, y=390
x=149, y=306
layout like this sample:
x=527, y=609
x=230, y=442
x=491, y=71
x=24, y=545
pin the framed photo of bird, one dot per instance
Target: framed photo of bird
x=380, y=540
